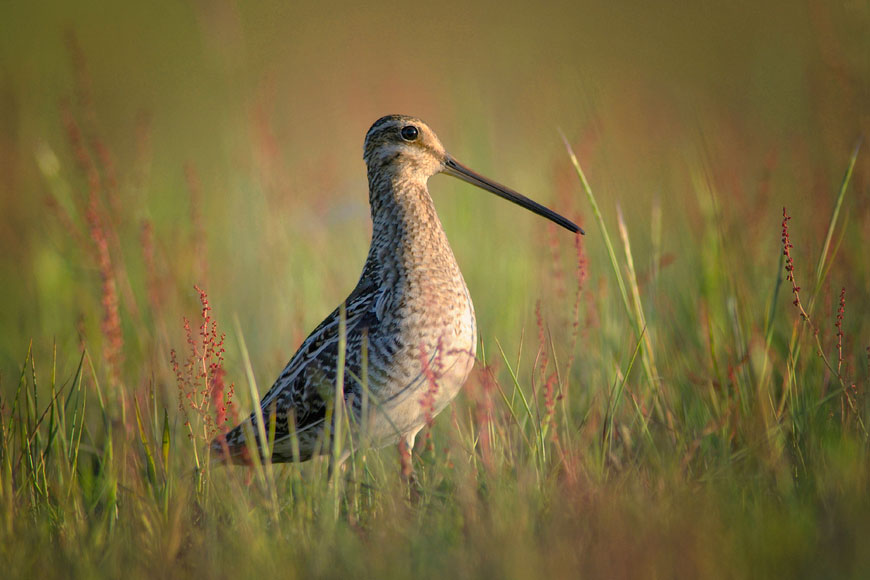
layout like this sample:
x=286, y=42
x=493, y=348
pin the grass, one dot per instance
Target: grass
x=680, y=393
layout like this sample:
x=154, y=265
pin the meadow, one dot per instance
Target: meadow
x=680, y=393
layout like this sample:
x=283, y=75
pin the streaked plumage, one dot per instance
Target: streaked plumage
x=410, y=306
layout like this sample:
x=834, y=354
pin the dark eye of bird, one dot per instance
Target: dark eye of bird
x=409, y=132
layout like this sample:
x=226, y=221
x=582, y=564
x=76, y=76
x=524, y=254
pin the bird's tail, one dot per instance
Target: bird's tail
x=231, y=447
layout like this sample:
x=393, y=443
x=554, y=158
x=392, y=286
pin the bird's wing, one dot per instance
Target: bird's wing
x=300, y=393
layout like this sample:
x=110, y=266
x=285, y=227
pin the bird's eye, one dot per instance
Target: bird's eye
x=409, y=132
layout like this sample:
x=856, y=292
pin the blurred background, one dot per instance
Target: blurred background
x=226, y=138
x=641, y=414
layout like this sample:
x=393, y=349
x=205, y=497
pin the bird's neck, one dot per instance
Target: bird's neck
x=406, y=231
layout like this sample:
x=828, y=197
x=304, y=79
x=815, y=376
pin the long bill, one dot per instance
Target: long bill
x=456, y=169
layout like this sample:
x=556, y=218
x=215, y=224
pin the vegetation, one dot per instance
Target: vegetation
x=680, y=393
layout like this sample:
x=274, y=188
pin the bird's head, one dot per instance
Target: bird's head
x=405, y=148
x=402, y=145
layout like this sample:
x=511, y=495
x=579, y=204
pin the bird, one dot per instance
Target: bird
x=407, y=331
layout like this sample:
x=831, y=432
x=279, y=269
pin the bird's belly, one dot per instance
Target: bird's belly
x=425, y=376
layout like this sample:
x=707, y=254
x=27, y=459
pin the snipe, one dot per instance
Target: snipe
x=409, y=321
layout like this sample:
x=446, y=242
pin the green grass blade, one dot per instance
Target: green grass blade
x=146, y=446
x=165, y=443
x=832, y=223
x=611, y=253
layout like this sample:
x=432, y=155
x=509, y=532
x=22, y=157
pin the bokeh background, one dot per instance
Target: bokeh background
x=268, y=102
x=147, y=147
